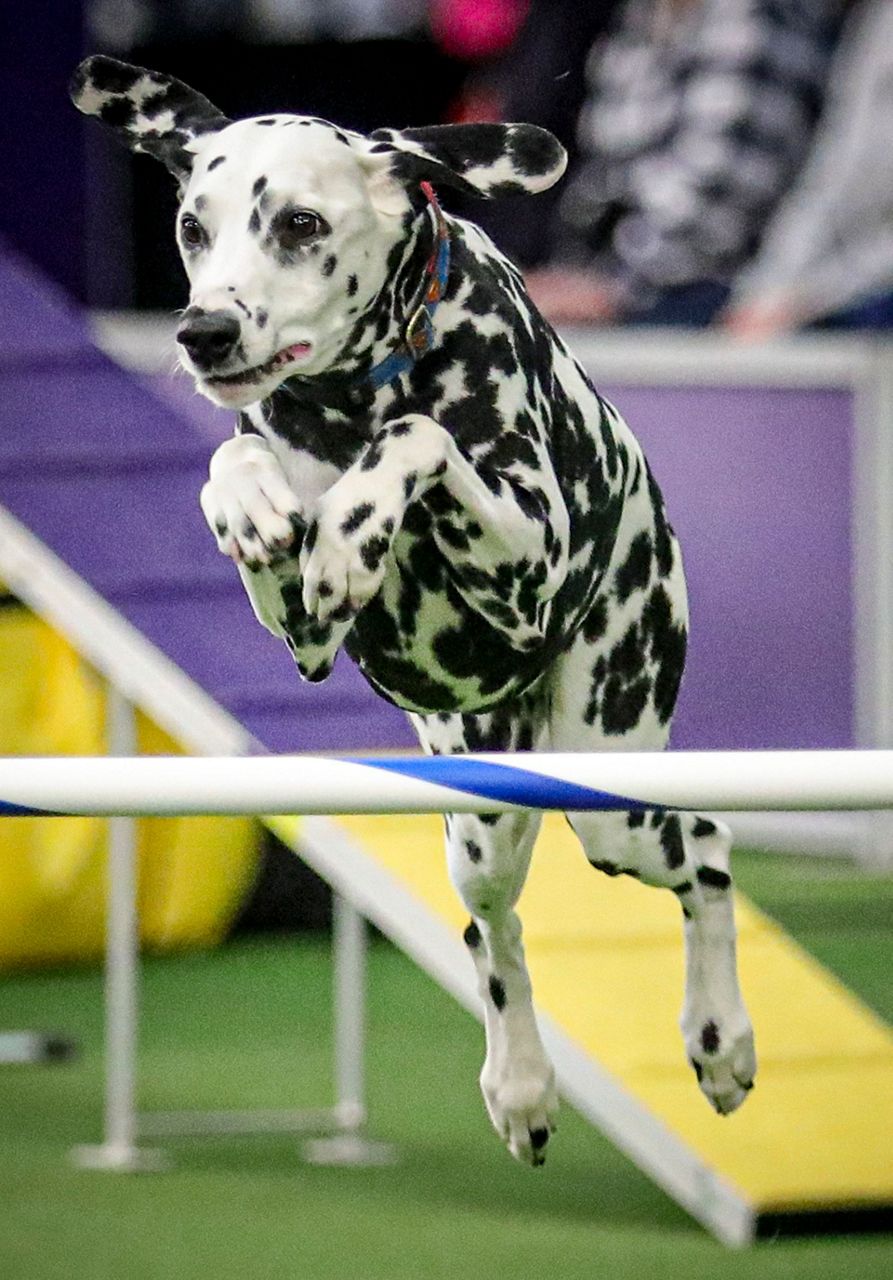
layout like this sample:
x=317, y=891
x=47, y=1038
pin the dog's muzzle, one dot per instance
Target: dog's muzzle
x=209, y=337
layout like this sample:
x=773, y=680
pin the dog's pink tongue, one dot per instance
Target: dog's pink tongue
x=297, y=350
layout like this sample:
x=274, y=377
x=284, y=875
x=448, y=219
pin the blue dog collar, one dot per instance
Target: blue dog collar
x=418, y=335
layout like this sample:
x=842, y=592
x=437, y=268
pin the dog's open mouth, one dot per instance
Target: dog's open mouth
x=288, y=355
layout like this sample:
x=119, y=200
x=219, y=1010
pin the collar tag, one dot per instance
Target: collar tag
x=419, y=334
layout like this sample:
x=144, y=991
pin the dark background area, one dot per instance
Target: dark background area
x=42, y=147
x=361, y=85
x=99, y=220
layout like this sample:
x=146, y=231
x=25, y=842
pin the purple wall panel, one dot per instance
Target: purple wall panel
x=758, y=484
x=37, y=321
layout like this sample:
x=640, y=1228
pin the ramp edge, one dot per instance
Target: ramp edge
x=142, y=673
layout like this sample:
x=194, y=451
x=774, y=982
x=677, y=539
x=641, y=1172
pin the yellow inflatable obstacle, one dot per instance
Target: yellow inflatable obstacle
x=193, y=872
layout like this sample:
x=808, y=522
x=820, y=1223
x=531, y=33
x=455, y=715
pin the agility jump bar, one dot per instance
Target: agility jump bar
x=475, y=783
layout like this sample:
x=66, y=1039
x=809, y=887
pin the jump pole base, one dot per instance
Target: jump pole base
x=348, y=1150
x=110, y=1158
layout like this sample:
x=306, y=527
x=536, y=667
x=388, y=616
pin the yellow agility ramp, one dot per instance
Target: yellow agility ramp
x=606, y=961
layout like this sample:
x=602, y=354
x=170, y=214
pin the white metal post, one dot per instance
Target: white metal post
x=118, y=1149
x=873, y=590
x=349, y=984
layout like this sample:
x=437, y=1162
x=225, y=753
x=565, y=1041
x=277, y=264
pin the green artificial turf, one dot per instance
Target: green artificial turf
x=249, y=1025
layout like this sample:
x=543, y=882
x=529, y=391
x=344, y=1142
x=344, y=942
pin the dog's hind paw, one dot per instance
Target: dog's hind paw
x=724, y=1063
x=523, y=1109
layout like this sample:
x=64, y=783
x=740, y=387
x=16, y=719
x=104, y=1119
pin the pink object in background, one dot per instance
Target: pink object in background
x=476, y=29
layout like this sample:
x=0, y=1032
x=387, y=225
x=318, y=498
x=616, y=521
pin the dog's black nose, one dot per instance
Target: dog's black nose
x=208, y=336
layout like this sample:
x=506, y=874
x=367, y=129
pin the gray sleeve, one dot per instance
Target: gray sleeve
x=743, y=128
x=831, y=240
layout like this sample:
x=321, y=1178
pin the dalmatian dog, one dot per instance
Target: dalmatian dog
x=423, y=474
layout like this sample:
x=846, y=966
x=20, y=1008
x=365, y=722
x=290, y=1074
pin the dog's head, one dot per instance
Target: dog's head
x=286, y=223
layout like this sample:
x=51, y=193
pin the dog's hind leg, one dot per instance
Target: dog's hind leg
x=715, y=1025
x=488, y=857
x=598, y=689
x=689, y=855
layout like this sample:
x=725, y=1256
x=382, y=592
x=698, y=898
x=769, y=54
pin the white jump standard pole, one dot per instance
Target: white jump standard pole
x=349, y=1146
x=701, y=780
x=119, y=1151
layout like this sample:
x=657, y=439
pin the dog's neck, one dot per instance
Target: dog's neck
x=381, y=329
x=346, y=391
x=417, y=335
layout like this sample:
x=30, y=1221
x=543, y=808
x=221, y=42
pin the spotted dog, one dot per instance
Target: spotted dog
x=422, y=473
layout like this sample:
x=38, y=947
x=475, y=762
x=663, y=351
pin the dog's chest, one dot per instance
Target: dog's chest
x=308, y=477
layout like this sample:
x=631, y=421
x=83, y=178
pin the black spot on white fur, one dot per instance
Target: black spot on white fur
x=671, y=842
x=713, y=878
x=358, y=516
x=472, y=936
x=710, y=1039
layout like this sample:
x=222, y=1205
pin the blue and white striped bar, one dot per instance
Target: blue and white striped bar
x=169, y=786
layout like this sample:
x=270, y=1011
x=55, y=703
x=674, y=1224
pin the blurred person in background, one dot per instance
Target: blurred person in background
x=827, y=256
x=697, y=115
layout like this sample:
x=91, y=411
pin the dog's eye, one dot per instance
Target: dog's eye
x=298, y=226
x=192, y=233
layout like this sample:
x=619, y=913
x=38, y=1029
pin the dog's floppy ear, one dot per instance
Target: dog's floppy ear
x=149, y=111
x=479, y=159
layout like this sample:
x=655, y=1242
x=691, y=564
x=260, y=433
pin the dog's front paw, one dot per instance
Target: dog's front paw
x=523, y=1105
x=343, y=559
x=251, y=510
x=721, y=1052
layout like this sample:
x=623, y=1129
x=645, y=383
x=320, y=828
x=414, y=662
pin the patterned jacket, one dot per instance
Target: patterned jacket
x=698, y=117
